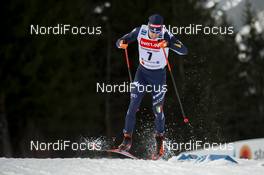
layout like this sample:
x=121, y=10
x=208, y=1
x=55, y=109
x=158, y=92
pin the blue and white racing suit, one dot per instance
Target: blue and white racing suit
x=151, y=73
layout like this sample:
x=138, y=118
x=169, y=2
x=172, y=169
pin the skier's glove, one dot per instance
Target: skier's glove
x=163, y=44
x=122, y=44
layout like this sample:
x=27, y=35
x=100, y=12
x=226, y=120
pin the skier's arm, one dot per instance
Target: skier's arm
x=128, y=38
x=174, y=44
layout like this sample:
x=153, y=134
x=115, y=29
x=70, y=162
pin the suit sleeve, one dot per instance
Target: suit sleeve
x=175, y=44
x=130, y=37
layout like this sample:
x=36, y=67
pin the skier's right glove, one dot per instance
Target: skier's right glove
x=122, y=44
x=163, y=44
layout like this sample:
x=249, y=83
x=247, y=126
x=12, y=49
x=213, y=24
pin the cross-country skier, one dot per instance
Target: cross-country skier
x=151, y=72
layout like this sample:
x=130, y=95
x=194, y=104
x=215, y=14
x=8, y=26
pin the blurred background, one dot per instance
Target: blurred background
x=48, y=82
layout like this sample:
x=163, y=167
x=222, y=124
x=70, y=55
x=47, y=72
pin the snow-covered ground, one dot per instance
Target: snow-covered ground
x=86, y=166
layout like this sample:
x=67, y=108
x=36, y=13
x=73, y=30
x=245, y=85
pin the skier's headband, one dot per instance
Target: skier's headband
x=155, y=28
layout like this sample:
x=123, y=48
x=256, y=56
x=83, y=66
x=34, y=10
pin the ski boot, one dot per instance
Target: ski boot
x=159, y=147
x=126, y=144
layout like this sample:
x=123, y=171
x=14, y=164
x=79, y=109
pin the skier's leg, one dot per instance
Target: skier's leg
x=158, y=95
x=135, y=100
x=158, y=82
x=158, y=101
x=136, y=96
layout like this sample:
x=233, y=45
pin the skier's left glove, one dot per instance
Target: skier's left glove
x=163, y=44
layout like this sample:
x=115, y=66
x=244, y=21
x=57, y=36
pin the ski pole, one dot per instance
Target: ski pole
x=128, y=65
x=185, y=119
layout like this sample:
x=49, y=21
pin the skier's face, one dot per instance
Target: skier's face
x=153, y=35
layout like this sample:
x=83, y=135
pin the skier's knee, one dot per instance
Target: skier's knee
x=157, y=109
